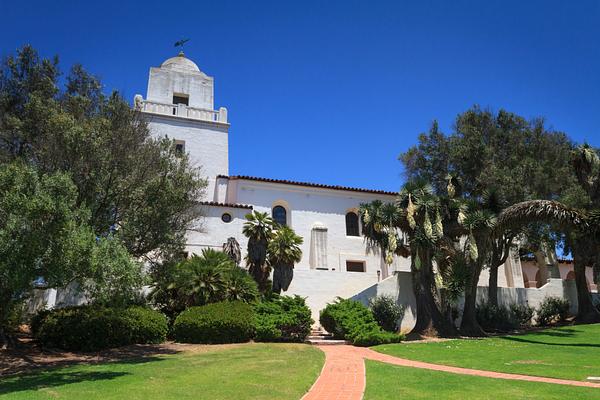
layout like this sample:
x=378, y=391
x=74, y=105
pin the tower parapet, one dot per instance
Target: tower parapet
x=178, y=88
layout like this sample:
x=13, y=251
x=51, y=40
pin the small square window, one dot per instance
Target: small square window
x=180, y=146
x=355, y=266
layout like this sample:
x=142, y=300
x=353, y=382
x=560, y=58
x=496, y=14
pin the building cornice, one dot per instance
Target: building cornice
x=196, y=121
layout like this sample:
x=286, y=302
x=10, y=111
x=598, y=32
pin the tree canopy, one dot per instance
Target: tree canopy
x=132, y=184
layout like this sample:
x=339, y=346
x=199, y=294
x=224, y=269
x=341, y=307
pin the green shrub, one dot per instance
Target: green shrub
x=91, y=328
x=522, y=314
x=351, y=320
x=386, y=312
x=374, y=337
x=225, y=322
x=494, y=318
x=552, y=310
x=340, y=317
x=209, y=278
x=500, y=318
x=282, y=319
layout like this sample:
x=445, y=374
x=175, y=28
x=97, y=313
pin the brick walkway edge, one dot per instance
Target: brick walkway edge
x=343, y=375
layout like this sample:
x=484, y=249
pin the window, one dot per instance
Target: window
x=180, y=146
x=226, y=217
x=352, y=224
x=280, y=215
x=181, y=99
x=355, y=266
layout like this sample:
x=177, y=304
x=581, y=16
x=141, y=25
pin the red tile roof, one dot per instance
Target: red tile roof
x=560, y=260
x=230, y=205
x=308, y=184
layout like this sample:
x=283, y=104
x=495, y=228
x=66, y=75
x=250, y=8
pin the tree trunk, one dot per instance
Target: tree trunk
x=5, y=338
x=423, y=325
x=469, y=325
x=586, y=312
x=493, y=286
x=430, y=320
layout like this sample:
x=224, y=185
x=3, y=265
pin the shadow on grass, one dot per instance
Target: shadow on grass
x=28, y=357
x=51, y=379
x=524, y=340
x=56, y=376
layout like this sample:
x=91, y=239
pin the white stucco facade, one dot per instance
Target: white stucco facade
x=180, y=105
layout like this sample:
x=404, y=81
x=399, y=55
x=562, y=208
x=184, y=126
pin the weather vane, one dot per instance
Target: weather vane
x=180, y=44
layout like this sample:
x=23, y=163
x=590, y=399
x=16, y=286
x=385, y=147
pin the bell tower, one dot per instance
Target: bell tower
x=179, y=104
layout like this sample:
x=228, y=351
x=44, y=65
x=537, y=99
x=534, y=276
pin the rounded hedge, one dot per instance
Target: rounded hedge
x=282, y=319
x=91, y=328
x=351, y=320
x=225, y=322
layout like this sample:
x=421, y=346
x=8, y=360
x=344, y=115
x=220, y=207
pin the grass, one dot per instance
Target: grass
x=386, y=382
x=252, y=371
x=570, y=352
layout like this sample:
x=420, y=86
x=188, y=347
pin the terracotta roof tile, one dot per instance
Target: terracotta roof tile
x=230, y=205
x=308, y=184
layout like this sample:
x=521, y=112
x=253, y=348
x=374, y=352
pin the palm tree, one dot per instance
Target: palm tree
x=479, y=223
x=583, y=233
x=202, y=279
x=284, y=251
x=232, y=249
x=416, y=214
x=240, y=286
x=258, y=228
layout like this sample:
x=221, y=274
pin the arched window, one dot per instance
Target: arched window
x=352, y=224
x=279, y=215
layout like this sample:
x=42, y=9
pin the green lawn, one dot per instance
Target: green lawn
x=571, y=352
x=385, y=382
x=252, y=371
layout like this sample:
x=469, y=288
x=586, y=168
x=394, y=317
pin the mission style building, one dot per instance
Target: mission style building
x=179, y=104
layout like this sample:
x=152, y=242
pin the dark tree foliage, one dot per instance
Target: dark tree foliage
x=521, y=159
x=133, y=184
x=500, y=153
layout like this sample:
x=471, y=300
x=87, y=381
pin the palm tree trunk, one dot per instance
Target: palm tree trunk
x=493, y=286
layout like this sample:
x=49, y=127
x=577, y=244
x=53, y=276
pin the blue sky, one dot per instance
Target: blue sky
x=333, y=92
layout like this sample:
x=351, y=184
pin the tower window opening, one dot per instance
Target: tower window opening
x=181, y=99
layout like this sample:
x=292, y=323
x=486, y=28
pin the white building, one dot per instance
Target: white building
x=180, y=104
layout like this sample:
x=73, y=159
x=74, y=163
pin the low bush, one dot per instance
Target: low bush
x=522, y=314
x=374, y=337
x=500, y=318
x=351, y=320
x=552, y=310
x=282, y=319
x=225, y=322
x=386, y=312
x=494, y=318
x=91, y=328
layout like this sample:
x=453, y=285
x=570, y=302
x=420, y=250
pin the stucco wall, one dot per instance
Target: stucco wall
x=163, y=83
x=400, y=288
x=206, y=142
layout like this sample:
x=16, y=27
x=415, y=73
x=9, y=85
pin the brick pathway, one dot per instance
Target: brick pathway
x=343, y=376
